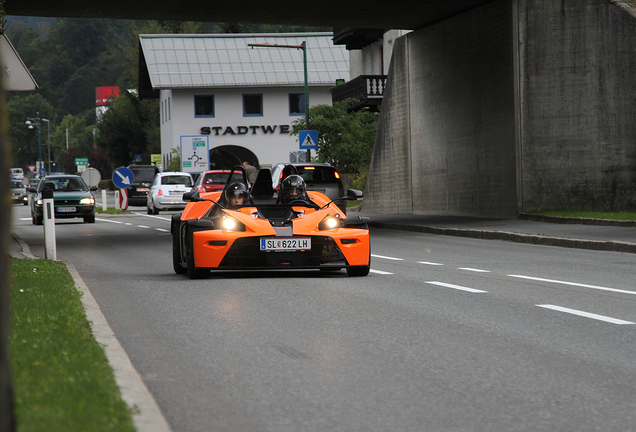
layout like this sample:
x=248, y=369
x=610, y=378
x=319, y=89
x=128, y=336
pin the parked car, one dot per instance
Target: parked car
x=19, y=193
x=214, y=180
x=319, y=177
x=140, y=186
x=72, y=198
x=166, y=192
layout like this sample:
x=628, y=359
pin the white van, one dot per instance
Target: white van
x=17, y=174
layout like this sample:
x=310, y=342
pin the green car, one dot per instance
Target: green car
x=72, y=198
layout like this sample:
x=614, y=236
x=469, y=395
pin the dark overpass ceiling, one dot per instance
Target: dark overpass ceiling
x=363, y=14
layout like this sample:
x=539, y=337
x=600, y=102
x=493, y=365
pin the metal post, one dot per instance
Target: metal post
x=48, y=124
x=303, y=47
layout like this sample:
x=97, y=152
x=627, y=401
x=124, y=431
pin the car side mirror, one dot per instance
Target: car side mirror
x=354, y=195
x=188, y=196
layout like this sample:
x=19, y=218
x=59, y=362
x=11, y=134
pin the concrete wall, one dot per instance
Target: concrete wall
x=446, y=138
x=515, y=106
x=578, y=86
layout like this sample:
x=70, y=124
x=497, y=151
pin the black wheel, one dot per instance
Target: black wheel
x=37, y=220
x=191, y=269
x=362, y=270
x=148, y=209
x=89, y=219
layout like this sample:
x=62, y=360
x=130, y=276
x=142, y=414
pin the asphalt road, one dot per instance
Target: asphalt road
x=445, y=334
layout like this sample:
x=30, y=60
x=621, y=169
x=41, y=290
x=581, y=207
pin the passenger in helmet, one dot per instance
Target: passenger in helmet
x=293, y=188
x=236, y=194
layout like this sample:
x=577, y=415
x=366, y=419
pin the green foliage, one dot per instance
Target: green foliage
x=62, y=378
x=121, y=130
x=345, y=139
x=175, y=162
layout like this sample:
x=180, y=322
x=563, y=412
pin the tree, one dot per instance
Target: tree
x=345, y=138
x=124, y=130
x=24, y=141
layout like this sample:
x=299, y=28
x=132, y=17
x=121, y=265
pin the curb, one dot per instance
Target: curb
x=609, y=246
x=145, y=412
x=576, y=220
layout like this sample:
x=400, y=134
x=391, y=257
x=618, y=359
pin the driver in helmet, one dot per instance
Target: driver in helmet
x=236, y=194
x=293, y=188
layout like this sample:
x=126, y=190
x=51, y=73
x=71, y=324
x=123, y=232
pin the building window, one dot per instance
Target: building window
x=252, y=105
x=296, y=103
x=204, y=106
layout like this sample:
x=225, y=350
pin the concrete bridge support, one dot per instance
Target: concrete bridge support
x=514, y=106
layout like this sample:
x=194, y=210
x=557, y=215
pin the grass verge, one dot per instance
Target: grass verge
x=587, y=214
x=61, y=376
x=111, y=210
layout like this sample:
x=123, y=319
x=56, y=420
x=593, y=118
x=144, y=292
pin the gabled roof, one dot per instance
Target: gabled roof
x=226, y=60
x=16, y=77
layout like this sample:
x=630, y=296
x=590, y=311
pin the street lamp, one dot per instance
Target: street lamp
x=36, y=122
x=302, y=46
x=48, y=123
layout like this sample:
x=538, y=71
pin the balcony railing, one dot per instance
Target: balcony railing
x=368, y=89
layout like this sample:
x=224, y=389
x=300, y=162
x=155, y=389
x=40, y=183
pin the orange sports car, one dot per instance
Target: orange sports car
x=241, y=228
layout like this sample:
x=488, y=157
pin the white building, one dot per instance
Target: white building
x=241, y=99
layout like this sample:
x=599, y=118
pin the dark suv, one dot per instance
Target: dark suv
x=319, y=177
x=138, y=190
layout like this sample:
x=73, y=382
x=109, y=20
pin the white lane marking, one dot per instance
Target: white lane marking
x=380, y=272
x=430, y=263
x=574, y=284
x=474, y=270
x=25, y=219
x=142, y=226
x=108, y=220
x=151, y=216
x=457, y=287
x=386, y=257
x=127, y=223
x=162, y=230
x=586, y=314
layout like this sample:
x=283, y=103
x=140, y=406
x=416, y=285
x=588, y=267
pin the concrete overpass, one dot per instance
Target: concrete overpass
x=491, y=107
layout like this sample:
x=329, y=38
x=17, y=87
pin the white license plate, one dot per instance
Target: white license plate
x=142, y=189
x=66, y=209
x=177, y=192
x=286, y=244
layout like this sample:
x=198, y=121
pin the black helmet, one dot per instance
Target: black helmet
x=293, y=187
x=236, y=189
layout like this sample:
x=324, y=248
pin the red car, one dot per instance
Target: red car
x=214, y=180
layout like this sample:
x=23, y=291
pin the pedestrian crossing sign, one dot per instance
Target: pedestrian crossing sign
x=308, y=139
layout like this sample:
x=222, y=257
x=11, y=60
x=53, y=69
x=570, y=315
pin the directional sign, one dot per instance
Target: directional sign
x=194, y=153
x=81, y=161
x=92, y=177
x=123, y=177
x=308, y=139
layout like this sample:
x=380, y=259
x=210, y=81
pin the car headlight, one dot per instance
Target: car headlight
x=229, y=224
x=87, y=201
x=39, y=202
x=330, y=222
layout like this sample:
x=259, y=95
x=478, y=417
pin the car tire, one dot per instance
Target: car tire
x=176, y=255
x=148, y=210
x=362, y=270
x=155, y=210
x=37, y=220
x=89, y=219
x=191, y=269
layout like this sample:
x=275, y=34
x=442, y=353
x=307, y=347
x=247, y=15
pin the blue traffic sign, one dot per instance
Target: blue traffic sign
x=123, y=177
x=308, y=139
x=138, y=158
